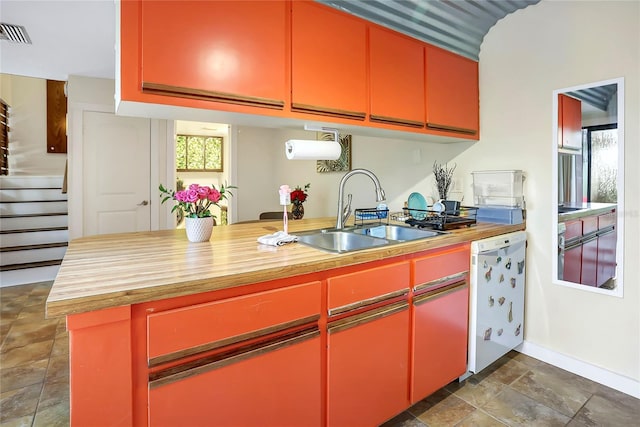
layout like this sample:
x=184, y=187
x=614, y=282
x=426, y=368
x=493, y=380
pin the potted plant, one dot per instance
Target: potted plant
x=195, y=203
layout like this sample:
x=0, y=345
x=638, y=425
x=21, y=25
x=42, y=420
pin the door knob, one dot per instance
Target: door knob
x=144, y=203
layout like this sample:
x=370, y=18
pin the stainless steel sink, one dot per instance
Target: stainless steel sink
x=339, y=240
x=396, y=232
x=358, y=238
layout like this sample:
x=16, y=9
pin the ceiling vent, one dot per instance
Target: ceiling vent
x=14, y=33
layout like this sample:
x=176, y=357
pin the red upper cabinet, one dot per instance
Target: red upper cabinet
x=225, y=51
x=396, y=75
x=569, y=122
x=452, y=92
x=328, y=62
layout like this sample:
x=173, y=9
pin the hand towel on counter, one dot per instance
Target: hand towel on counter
x=277, y=239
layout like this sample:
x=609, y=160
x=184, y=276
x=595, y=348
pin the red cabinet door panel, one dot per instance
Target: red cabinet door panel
x=396, y=73
x=184, y=328
x=278, y=388
x=368, y=372
x=233, y=47
x=328, y=60
x=570, y=122
x=572, y=265
x=439, y=341
x=352, y=289
x=452, y=91
x=440, y=264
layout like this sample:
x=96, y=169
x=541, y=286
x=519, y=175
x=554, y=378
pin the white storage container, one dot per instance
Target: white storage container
x=498, y=188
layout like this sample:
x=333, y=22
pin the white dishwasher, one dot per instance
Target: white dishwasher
x=496, y=298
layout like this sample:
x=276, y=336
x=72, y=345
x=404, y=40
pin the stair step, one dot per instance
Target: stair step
x=19, y=222
x=31, y=181
x=32, y=230
x=35, y=237
x=28, y=275
x=32, y=208
x=32, y=247
x=30, y=265
x=33, y=215
x=23, y=256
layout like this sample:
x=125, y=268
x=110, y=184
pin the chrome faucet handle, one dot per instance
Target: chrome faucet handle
x=346, y=212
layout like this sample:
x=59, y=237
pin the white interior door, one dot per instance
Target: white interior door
x=116, y=165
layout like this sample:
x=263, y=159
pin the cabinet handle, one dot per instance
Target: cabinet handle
x=610, y=229
x=200, y=349
x=394, y=121
x=369, y=316
x=434, y=284
x=441, y=292
x=451, y=128
x=209, y=95
x=143, y=203
x=333, y=112
x=201, y=366
x=365, y=302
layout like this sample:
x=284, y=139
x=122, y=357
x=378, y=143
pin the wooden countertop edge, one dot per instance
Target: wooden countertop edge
x=66, y=301
x=581, y=213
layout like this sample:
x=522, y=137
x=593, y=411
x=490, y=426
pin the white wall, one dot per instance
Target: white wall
x=401, y=166
x=524, y=57
x=28, y=155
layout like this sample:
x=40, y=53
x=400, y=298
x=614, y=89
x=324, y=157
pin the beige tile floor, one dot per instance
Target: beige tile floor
x=517, y=390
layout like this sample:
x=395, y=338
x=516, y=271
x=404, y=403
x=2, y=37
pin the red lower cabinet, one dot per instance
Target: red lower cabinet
x=439, y=338
x=368, y=356
x=275, y=385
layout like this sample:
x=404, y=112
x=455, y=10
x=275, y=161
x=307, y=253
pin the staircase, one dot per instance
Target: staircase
x=33, y=228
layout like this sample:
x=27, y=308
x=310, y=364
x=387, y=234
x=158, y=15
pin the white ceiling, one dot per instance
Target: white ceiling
x=73, y=37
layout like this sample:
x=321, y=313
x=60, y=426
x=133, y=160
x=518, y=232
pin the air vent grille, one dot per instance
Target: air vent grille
x=14, y=33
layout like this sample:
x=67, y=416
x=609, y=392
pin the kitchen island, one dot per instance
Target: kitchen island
x=167, y=332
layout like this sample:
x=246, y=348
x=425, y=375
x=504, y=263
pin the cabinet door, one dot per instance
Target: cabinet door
x=452, y=92
x=396, y=73
x=440, y=323
x=607, y=240
x=281, y=387
x=223, y=51
x=589, y=250
x=570, y=122
x=572, y=264
x=367, y=368
x=328, y=62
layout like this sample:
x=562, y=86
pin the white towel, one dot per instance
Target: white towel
x=277, y=239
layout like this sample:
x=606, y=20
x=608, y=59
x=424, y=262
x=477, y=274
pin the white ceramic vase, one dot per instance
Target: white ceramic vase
x=199, y=229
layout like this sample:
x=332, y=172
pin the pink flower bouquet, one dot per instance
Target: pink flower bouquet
x=195, y=201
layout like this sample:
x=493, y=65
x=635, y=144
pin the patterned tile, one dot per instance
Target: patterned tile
x=478, y=418
x=52, y=416
x=23, y=375
x=29, y=353
x=603, y=412
x=25, y=421
x=405, y=419
x=22, y=334
x=515, y=409
x=551, y=391
x=55, y=391
x=478, y=393
x=447, y=412
x=19, y=403
x=508, y=371
x=58, y=367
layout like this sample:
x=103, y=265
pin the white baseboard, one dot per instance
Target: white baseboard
x=594, y=373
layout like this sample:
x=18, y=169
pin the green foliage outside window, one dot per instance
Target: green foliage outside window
x=198, y=153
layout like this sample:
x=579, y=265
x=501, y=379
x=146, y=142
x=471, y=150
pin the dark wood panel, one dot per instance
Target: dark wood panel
x=56, y=117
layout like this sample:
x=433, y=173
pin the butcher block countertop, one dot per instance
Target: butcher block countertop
x=121, y=269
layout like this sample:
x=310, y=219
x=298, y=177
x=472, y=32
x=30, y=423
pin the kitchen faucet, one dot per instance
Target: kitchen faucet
x=345, y=211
